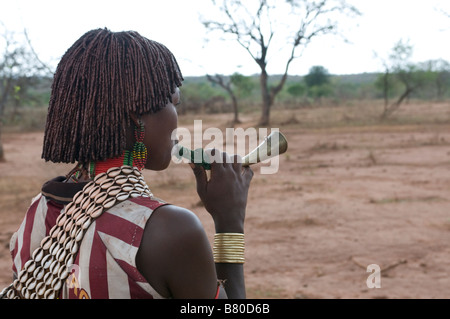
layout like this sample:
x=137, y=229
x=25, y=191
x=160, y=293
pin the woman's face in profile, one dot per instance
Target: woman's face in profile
x=158, y=134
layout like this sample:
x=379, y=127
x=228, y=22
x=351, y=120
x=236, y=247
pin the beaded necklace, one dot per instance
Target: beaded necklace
x=95, y=168
x=136, y=158
x=99, y=167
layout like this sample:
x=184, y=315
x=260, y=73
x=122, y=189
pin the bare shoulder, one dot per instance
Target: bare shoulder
x=174, y=244
x=176, y=221
x=172, y=226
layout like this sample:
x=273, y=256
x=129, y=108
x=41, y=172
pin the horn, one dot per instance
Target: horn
x=273, y=145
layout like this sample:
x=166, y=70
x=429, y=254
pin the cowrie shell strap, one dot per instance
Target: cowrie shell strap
x=43, y=275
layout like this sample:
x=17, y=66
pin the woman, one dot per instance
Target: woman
x=99, y=232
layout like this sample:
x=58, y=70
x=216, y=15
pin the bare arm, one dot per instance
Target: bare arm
x=175, y=255
x=225, y=198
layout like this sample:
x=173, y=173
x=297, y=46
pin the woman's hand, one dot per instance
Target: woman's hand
x=225, y=193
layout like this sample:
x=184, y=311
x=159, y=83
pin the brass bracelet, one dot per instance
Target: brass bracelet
x=229, y=248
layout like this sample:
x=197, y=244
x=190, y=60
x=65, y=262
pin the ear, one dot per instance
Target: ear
x=135, y=119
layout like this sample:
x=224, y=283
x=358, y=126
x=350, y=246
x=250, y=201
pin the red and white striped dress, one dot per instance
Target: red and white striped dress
x=105, y=266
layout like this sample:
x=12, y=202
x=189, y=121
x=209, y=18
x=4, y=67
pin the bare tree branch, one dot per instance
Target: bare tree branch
x=219, y=80
x=314, y=21
x=45, y=66
x=19, y=66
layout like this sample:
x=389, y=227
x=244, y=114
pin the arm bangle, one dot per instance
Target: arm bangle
x=229, y=248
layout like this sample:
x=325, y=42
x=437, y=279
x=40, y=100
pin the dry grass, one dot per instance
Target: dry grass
x=362, y=114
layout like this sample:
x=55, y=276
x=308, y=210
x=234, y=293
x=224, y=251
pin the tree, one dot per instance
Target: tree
x=297, y=23
x=296, y=90
x=243, y=84
x=317, y=81
x=317, y=76
x=226, y=85
x=18, y=65
x=410, y=75
x=197, y=95
x=438, y=77
x=237, y=85
x=383, y=83
x=442, y=80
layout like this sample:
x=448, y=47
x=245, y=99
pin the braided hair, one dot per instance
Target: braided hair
x=99, y=81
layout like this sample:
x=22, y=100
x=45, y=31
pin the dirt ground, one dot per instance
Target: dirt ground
x=343, y=199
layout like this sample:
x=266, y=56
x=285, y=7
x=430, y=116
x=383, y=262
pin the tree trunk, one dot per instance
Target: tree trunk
x=2, y=155
x=235, y=109
x=227, y=87
x=2, y=107
x=440, y=90
x=388, y=111
x=386, y=90
x=266, y=100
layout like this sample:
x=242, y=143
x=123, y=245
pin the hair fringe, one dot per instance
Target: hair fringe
x=99, y=81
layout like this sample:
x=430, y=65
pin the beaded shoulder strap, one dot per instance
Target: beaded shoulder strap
x=43, y=275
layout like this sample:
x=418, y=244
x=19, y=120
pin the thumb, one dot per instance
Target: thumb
x=200, y=176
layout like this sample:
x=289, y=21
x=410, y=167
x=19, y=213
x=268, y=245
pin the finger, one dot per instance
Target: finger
x=215, y=162
x=247, y=173
x=237, y=163
x=226, y=160
x=217, y=157
x=213, y=155
x=201, y=178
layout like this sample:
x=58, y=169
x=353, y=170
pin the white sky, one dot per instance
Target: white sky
x=54, y=25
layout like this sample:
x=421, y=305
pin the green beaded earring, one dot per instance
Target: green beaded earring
x=139, y=149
